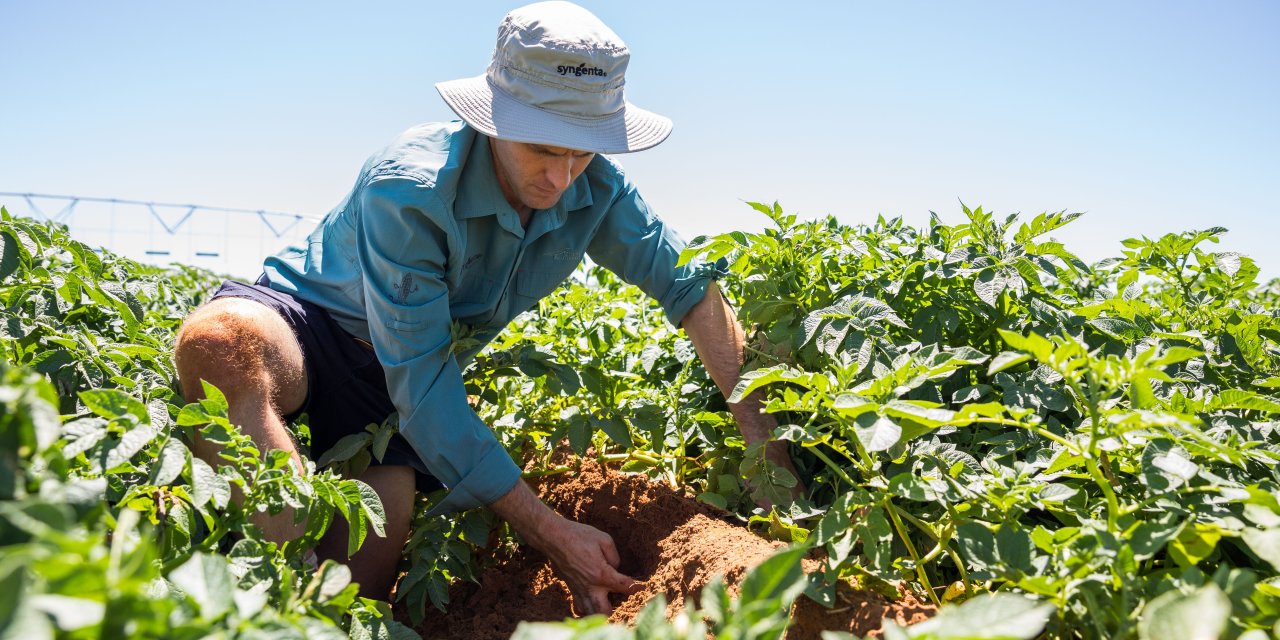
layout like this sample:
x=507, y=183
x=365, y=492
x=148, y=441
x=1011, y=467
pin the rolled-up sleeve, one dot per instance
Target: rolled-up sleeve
x=403, y=248
x=637, y=245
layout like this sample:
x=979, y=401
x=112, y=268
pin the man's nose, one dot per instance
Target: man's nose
x=559, y=172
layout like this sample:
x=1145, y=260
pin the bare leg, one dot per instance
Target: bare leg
x=374, y=565
x=248, y=351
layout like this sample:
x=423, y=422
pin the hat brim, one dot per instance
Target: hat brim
x=495, y=113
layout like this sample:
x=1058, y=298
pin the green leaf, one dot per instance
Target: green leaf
x=170, y=463
x=27, y=624
x=1006, y=360
x=372, y=506
x=207, y=485
x=1265, y=543
x=113, y=403
x=84, y=434
x=193, y=415
x=714, y=499
x=334, y=578
x=1175, y=464
x=352, y=502
x=907, y=485
x=1240, y=399
x=988, y=286
x=133, y=441
x=1268, y=383
x=10, y=255
x=1150, y=536
x=649, y=356
x=1175, y=355
x=1118, y=328
x=978, y=546
x=1200, y=615
x=616, y=428
x=876, y=432
x=1013, y=545
x=68, y=613
x=714, y=601
x=834, y=522
x=1166, y=467
x=579, y=434
x=206, y=580
x=1228, y=262
x=214, y=402
x=1038, y=346
x=779, y=578
x=1194, y=543
x=382, y=438
x=345, y=448
x=760, y=378
x=852, y=406
x=995, y=616
x=928, y=416
x=1054, y=492
x=12, y=591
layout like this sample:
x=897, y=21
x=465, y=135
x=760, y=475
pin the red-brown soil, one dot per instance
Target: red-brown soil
x=673, y=544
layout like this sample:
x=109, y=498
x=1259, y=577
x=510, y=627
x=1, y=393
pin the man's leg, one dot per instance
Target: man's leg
x=248, y=351
x=374, y=565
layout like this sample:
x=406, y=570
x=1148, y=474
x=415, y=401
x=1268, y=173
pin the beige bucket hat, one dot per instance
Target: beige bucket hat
x=557, y=78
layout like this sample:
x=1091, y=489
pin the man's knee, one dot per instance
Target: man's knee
x=239, y=346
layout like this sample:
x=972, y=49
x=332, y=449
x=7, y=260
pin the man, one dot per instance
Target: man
x=471, y=221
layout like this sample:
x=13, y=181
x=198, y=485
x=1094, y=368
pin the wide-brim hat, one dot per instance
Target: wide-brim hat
x=556, y=78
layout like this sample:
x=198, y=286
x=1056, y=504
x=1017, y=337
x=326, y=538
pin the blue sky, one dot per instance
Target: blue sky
x=1150, y=117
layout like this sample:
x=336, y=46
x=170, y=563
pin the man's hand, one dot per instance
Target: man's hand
x=586, y=559
x=584, y=556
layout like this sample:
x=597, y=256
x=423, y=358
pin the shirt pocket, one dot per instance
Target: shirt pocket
x=532, y=286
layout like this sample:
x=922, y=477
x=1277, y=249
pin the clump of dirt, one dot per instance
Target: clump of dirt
x=671, y=543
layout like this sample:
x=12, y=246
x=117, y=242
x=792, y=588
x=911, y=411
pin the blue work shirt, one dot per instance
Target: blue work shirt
x=426, y=238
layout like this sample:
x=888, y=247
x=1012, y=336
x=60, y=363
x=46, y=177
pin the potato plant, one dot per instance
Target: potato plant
x=109, y=527
x=973, y=408
x=1044, y=447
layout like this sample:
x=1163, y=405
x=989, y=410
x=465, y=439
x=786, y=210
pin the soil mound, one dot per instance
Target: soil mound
x=671, y=543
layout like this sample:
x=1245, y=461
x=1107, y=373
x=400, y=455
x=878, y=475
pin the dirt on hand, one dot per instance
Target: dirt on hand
x=670, y=542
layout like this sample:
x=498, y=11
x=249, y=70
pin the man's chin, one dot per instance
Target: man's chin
x=542, y=202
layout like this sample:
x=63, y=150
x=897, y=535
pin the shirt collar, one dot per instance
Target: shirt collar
x=478, y=190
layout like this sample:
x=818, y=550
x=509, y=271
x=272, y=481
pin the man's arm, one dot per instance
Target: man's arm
x=406, y=230
x=713, y=328
x=584, y=556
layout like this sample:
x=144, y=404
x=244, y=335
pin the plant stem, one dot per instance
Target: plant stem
x=1134, y=508
x=1113, y=504
x=920, y=524
x=654, y=459
x=1042, y=432
x=834, y=467
x=1091, y=454
x=955, y=557
x=762, y=354
x=911, y=549
x=964, y=575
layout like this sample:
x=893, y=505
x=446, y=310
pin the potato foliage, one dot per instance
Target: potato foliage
x=1043, y=447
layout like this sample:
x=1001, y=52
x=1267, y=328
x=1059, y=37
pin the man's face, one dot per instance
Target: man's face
x=534, y=176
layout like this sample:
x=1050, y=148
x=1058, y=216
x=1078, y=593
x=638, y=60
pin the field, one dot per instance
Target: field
x=995, y=440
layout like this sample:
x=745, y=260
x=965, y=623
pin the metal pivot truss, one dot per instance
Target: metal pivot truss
x=224, y=239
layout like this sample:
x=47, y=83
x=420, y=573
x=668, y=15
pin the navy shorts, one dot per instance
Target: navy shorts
x=346, y=386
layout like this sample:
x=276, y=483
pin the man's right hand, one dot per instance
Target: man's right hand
x=584, y=557
x=587, y=561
